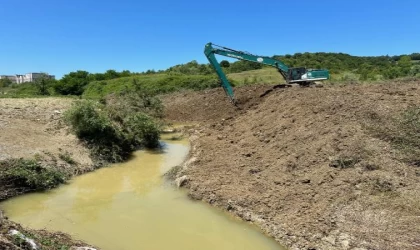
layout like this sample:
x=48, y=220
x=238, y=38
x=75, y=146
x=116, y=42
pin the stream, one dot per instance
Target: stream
x=129, y=206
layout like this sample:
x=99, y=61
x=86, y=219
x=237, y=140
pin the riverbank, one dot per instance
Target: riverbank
x=32, y=129
x=315, y=168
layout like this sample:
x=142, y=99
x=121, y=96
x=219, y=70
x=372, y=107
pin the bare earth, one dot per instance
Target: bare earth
x=270, y=163
x=34, y=126
x=33, y=129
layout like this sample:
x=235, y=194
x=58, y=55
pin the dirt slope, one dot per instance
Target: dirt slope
x=276, y=162
x=33, y=129
x=33, y=126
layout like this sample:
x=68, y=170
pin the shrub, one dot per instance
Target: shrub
x=351, y=77
x=143, y=130
x=31, y=174
x=115, y=129
x=91, y=124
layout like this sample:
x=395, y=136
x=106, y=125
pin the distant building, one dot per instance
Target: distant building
x=29, y=77
x=11, y=78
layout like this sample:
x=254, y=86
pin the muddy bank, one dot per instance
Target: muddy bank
x=33, y=129
x=304, y=165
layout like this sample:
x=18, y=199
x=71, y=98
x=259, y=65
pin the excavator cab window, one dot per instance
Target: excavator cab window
x=296, y=73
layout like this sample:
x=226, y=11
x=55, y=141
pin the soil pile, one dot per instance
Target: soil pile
x=304, y=164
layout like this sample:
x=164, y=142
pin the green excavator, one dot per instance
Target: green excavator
x=300, y=76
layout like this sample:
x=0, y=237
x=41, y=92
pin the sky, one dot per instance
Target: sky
x=68, y=35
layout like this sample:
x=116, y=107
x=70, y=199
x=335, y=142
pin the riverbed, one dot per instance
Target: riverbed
x=129, y=206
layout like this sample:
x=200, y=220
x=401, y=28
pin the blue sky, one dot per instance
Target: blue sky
x=63, y=36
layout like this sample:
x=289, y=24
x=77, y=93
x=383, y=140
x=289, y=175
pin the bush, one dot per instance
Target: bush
x=91, y=124
x=31, y=174
x=115, y=129
x=351, y=77
x=143, y=130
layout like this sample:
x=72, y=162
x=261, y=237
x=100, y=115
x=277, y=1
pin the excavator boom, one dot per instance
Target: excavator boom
x=300, y=76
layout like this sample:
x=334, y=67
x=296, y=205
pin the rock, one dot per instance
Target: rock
x=82, y=248
x=30, y=242
x=345, y=244
x=305, y=181
x=330, y=239
x=181, y=181
x=344, y=240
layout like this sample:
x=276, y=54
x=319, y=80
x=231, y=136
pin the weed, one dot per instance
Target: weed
x=67, y=157
x=343, y=162
x=382, y=185
x=31, y=174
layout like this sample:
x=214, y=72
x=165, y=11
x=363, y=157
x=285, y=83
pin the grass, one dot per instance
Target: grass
x=153, y=84
x=21, y=90
x=45, y=240
x=67, y=157
x=264, y=75
x=30, y=174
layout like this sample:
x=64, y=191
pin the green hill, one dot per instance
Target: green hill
x=154, y=83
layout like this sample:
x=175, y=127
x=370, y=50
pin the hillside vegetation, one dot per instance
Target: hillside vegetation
x=195, y=76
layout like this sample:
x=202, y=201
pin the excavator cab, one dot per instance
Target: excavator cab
x=304, y=76
x=295, y=73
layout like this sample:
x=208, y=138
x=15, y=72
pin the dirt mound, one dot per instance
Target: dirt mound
x=211, y=105
x=303, y=165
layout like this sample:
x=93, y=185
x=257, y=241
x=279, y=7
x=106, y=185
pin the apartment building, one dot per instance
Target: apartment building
x=29, y=77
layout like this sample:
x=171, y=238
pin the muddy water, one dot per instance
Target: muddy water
x=127, y=206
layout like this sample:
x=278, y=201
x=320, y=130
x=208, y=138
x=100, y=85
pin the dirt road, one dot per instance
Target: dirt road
x=301, y=163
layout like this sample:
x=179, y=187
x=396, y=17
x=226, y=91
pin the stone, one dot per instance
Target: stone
x=181, y=181
x=30, y=241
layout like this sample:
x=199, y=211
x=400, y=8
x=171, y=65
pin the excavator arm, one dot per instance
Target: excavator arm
x=291, y=75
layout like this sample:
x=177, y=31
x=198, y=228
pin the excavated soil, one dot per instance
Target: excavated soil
x=279, y=161
x=34, y=126
x=33, y=129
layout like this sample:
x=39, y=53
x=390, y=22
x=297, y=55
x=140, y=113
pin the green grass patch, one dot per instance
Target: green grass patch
x=267, y=75
x=31, y=174
x=153, y=84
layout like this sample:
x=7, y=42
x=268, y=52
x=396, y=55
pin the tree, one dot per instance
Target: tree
x=6, y=82
x=415, y=71
x=43, y=83
x=111, y=74
x=225, y=64
x=72, y=83
x=405, y=64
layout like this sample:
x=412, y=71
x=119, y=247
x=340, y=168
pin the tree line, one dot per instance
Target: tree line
x=366, y=68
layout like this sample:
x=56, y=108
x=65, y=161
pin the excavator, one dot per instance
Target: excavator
x=300, y=76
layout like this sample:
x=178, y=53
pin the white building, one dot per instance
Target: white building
x=11, y=78
x=29, y=77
